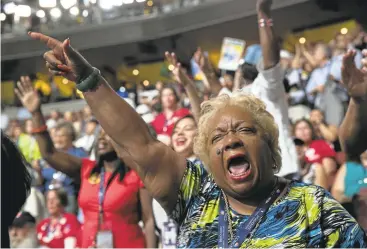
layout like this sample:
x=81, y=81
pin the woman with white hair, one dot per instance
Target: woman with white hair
x=237, y=201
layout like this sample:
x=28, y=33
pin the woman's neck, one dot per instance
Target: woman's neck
x=168, y=111
x=248, y=205
x=56, y=217
x=110, y=166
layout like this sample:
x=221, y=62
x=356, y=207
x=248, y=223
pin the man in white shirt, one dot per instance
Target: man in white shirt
x=87, y=141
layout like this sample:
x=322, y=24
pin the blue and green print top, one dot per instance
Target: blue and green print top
x=305, y=216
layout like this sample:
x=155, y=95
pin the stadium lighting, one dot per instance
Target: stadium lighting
x=2, y=17
x=74, y=11
x=140, y=1
x=85, y=13
x=150, y=3
x=40, y=14
x=302, y=40
x=47, y=3
x=55, y=13
x=136, y=72
x=127, y=1
x=344, y=31
x=23, y=11
x=146, y=82
x=93, y=1
x=171, y=67
x=9, y=8
x=67, y=4
x=106, y=4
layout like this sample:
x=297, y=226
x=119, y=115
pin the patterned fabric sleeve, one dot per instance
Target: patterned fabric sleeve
x=339, y=228
x=189, y=188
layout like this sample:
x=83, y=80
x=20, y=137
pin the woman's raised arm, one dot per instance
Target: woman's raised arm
x=60, y=161
x=160, y=168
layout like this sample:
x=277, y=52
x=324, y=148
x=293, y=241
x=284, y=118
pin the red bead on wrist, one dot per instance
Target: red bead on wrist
x=40, y=129
x=265, y=22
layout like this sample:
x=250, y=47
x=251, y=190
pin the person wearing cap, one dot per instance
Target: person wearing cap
x=22, y=231
x=310, y=173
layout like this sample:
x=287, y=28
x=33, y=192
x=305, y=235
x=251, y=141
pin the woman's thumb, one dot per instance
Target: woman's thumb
x=69, y=52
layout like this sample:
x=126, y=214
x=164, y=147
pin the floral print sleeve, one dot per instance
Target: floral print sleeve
x=190, y=186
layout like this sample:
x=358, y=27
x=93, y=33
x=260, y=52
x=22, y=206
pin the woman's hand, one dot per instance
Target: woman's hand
x=264, y=6
x=62, y=59
x=202, y=60
x=354, y=79
x=178, y=72
x=28, y=95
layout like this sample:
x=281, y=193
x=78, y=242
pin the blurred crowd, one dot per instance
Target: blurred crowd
x=317, y=103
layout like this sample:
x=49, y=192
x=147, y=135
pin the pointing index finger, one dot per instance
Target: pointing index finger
x=49, y=41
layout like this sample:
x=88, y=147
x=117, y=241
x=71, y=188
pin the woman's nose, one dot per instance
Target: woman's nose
x=233, y=143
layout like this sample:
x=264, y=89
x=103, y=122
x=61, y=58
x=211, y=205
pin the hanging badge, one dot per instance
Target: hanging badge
x=104, y=239
x=169, y=234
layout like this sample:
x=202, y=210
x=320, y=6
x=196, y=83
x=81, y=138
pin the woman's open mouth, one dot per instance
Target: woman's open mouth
x=181, y=141
x=238, y=167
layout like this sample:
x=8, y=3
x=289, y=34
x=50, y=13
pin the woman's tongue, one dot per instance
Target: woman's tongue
x=239, y=168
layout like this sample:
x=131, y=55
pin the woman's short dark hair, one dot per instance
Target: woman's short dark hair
x=61, y=195
x=249, y=71
x=173, y=89
x=308, y=122
x=14, y=176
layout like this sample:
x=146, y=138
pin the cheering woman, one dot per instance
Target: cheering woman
x=237, y=201
x=111, y=196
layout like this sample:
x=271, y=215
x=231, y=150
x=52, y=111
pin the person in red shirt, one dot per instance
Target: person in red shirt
x=318, y=151
x=61, y=229
x=111, y=196
x=171, y=112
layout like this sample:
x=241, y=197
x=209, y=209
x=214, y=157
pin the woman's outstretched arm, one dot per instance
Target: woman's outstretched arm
x=60, y=161
x=159, y=167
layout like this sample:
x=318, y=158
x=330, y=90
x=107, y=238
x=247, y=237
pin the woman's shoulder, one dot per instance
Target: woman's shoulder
x=300, y=190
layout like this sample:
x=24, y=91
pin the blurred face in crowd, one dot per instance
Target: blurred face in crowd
x=320, y=53
x=68, y=116
x=18, y=234
x=87, y=112
x=28, y=126
x=54, y=206
x=63, y=139
x=316, y=116
x=159, y=85
x=228, y=81
x=104, y=143
x=341, y=42
x=17, y=130
x=301, y=150
x=303, y=131
x=168, y=98
x=54, y=115
x=183, y=136
x=90, y=127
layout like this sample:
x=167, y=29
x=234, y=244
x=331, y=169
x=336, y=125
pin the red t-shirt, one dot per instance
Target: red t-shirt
x=53, y=236
x=163, y=126
x=318, y=150
x=120, y=208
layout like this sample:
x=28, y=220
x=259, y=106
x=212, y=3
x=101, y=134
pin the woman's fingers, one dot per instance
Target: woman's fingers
x=50, y=57
x=18, y=93
x=21, y=88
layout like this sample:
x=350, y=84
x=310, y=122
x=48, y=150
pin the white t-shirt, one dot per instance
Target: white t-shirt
x=268, y=86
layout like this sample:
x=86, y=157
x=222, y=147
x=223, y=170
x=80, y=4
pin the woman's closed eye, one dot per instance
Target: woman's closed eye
x=216, y=138
x=247, y=130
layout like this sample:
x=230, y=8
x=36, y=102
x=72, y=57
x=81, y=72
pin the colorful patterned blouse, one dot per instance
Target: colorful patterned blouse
x=306, y=216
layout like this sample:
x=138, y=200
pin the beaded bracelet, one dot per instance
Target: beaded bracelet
x=91, y=82
x=40, y=129
x=263, y=22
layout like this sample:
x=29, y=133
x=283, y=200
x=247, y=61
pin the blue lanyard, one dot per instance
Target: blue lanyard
x=102, y=191
x=246, y=228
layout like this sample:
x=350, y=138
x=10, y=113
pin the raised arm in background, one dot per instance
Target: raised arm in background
x=210, y=79
x=160, y=168
x=181, y=77
x=353, y=130
x=268, y=39
x=60, y=161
